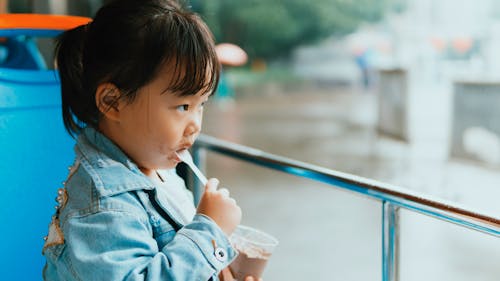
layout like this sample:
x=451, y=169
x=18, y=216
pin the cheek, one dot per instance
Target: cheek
x=170, y=134
x=145, y=129
x=166, y=144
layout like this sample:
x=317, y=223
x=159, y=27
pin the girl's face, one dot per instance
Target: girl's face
x=158, y=123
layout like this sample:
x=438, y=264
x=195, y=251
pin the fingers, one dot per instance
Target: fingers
x=212, y=185
x=224, y=191
x=220, y=207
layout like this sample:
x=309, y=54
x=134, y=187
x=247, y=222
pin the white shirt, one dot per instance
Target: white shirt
x=172, y=191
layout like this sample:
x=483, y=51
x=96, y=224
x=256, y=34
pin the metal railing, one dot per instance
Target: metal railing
x=393, y=198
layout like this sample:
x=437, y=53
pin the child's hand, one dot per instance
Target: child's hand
x=220, y=207
x=225, y=275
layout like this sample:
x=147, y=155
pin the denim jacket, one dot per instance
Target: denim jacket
x=111, y=225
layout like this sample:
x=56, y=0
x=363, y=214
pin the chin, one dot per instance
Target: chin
x=171, y=166
x=168, y=166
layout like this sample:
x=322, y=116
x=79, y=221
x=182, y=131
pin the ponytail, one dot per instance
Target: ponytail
x=78, y=105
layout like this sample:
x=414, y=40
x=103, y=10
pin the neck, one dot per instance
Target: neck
x=152, y=174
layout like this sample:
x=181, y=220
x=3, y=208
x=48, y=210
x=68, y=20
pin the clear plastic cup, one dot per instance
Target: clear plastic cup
x=254, y=248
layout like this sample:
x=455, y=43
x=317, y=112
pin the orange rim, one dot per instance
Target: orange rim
x=40, y=21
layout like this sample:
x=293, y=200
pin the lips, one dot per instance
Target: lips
x=183, y=147
x=176, y=157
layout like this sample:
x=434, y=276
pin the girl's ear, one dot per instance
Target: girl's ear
x=107, y=99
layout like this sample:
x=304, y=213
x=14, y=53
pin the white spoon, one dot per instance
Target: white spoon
x=185, y=156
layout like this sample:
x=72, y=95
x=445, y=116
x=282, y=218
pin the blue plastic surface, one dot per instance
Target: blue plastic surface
x=22, y=53
x=35, y=151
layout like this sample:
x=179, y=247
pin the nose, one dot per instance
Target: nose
x=194, y=126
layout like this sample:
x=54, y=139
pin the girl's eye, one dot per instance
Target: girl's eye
x=183, y=107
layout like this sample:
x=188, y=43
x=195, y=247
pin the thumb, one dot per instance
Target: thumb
x=212, y=185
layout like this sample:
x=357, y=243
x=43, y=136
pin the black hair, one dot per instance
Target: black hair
x=126, y=44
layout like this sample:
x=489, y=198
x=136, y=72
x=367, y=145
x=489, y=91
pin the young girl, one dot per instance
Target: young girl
x=134, y=82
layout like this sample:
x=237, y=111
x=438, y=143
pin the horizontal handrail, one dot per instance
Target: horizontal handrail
x=422, y=203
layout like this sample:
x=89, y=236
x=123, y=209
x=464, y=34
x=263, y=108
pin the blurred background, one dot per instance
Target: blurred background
x=401, y=91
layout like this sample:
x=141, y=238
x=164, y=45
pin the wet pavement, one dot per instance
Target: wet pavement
x=331, y=234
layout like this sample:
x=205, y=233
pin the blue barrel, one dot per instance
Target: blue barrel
x=35, y=151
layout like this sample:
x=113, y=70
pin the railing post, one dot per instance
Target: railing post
x=390, y=242
x=199, y=159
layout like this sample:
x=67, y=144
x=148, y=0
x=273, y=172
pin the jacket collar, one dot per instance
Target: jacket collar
x=111, y=170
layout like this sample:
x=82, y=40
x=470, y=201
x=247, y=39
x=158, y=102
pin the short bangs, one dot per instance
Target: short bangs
x=189, y=47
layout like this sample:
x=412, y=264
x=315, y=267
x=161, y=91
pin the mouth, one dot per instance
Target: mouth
x=176, y=154
x=176, y=158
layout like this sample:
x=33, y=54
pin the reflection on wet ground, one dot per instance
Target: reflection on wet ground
x=330, y=234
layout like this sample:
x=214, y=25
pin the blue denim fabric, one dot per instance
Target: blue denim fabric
x=108, y=229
